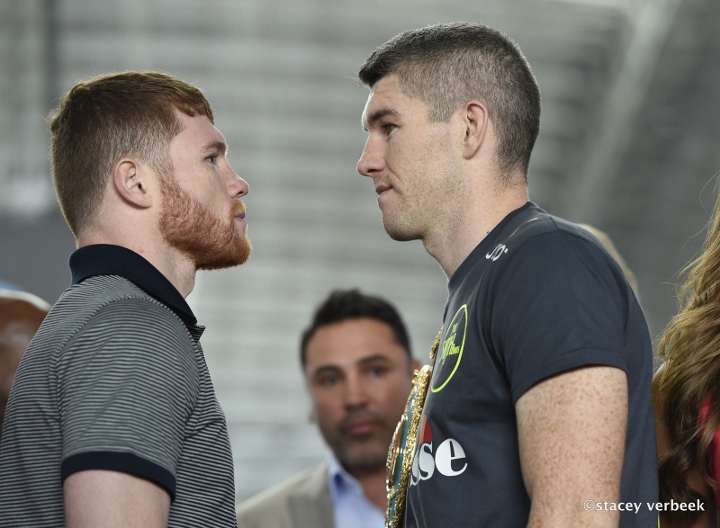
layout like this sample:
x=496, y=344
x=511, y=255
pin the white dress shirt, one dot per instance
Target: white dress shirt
x=350, y=506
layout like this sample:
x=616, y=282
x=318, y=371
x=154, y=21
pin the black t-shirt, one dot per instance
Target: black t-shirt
x=537, y=297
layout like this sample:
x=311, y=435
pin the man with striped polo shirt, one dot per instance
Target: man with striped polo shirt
x=112, y=419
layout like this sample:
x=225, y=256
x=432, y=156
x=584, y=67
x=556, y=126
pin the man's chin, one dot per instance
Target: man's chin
x=398, y=227
x=226, y=260
x=364, y=460
x=401, y=235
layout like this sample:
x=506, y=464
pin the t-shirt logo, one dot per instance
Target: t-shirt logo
x=451, y=351
x=496, y=253
x=448, y=458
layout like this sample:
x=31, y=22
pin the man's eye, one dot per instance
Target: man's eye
x=212, y=159
x=328, y=381
x=389, y=127
x=377, y=371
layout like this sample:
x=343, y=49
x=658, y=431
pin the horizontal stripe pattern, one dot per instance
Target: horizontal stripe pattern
x=115, y=380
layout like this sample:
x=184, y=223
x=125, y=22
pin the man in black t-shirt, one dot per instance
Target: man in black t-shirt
x=538, y=412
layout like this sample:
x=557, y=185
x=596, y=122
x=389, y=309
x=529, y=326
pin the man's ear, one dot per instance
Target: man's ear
x=475, y=120
x=133, y=182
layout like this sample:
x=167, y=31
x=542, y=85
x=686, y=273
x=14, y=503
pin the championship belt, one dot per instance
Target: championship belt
x=400, y=455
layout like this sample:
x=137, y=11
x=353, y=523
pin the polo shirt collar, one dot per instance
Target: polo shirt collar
x=105, y=259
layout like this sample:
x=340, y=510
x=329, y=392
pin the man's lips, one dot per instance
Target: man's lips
x=361, y=427
x=239, y=211
x=381, y=188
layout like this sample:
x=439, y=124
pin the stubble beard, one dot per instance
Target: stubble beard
x=414, y=216
x=359, y=454
x=190, y=227
x=398, y=231
x=400, y=223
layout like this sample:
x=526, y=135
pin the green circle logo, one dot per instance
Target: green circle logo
x=451, y=351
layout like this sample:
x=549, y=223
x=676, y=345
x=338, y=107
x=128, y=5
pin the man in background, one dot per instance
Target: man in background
x=538, y=412
x=357, y=364
x=21, y=314
x=112, y=419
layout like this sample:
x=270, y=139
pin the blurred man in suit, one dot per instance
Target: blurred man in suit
x=358, y=367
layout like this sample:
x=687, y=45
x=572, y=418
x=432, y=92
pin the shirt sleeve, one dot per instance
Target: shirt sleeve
x=126, y=386
x=560, y=303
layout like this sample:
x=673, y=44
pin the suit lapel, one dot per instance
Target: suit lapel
x=310, y=505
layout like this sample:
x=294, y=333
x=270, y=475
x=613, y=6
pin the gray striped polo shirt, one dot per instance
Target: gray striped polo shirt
x=116, y=379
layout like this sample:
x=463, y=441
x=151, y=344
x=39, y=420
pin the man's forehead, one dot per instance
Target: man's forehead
x=387, y=88
x=198, y=128
x=350, y=340
x=187, y=119
x=340, y=361
x=388, y=100
x=381, y=104
x=372, y=116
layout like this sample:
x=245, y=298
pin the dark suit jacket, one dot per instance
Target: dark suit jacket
x=301, y=502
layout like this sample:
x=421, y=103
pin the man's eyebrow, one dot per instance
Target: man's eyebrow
x=378, y=114
x=374, y=359
x=332, y=369
x=220, y=146
x=324, y=369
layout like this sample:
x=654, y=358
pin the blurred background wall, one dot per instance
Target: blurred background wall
x=630, y=143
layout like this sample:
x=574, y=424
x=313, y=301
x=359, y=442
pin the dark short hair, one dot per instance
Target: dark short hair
x=447, y=65
x=352, y=304
x=105, y=118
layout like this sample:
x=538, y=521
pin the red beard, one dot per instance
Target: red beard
x=189, y=226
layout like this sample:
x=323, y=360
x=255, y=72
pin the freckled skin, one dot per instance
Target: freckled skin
x=571, y=403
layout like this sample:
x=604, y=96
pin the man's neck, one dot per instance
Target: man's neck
x=451, y=244
x=175, y=266
x=373, y=485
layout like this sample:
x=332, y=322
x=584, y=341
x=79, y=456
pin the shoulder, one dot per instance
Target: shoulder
x=268, y=507
x=536, y=226
x=109, y=320
x=537, y=242
x=530, y=235
x=116, y=302
x=112, y=291
x=556, y=261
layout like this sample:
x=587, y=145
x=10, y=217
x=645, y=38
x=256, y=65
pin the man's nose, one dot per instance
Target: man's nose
x=237, y=187
x=371, y=161
x=355, y=392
